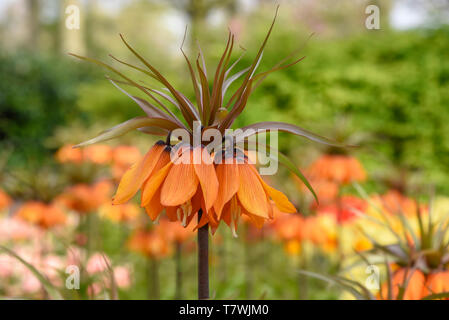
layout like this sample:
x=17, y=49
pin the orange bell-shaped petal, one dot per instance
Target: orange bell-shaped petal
x=134, y=177
x=153, y=184
x=207, y=177
x=180, y=185
x=281, y=201
x=228, y=177
x=251, y=193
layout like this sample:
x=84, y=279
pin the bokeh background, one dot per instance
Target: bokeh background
x=385, y=90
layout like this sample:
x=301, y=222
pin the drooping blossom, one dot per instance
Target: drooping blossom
x=437, y=282
x=120, y=213
x=342, y=169
x=151, y=244
x=220, y=192
x=174, y=231
x=345, y=209
x=122, y=158
x=98, y=154
x=85, y=198
x=413, y=281
x=5, y=200
x=326, y=190
x=394, y=202
x=42, y=214
x=68, y=154
x=321, y=231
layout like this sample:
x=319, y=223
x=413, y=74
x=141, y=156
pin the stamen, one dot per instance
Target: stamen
x=184, y=220
x=186, y=211
x=234, y=233
x=190, y=208
x=235, y=213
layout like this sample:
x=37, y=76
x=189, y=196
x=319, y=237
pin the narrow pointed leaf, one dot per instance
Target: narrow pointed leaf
x=48, y=286
x=441, y=295
x=148, y=108
x=129, y=125
x=290, y=128
x=217, y=90
x=231, y=79
x=333, y=280
x=154, y=131
x=284, y=160
x=184, y=108
x=135, y=67
x=261, y=76
x=205, y=98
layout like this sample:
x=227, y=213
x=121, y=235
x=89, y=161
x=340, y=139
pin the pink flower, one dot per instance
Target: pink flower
x=50, y=266
x=94, y=289
x=75, y=256
x=97, y=263
x=6, y=266
x=122, y=277
x=30, y=283
x=16, y=229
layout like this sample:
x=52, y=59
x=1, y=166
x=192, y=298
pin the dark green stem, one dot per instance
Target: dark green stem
x=153, y=279
x=203, y=260
x=178, y=290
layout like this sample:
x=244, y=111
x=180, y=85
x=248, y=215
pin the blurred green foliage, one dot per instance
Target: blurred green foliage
x=38, y=93
x=391, y=88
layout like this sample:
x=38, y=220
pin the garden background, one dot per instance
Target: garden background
x=385, y=90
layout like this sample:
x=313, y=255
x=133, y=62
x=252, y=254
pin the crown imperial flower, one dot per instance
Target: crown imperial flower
x=220, y=191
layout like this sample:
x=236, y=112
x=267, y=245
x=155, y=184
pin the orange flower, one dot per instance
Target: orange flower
x=292, y=247
x=191, y=182
x=122, y=158
x=289, y=227
x=84, y=198
x=362, y=244
x=243, y=191
x=68, y=154
x=125, y=155
x=99, y=154
x=174, y=231
x=151, y=244
x=185, y=186
x=437, y=282
x=168, y=185
x=344, y=209
x=325, y=190
x=394, y=202
x=120, y=213
x=44, y=215
x=321, y=231
x=183, y=189
x=415, y=284
x=5, y=200
x=338, y=168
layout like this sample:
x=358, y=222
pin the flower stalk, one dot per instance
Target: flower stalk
x=153, y=279
x=203, y=260
x=178, y=284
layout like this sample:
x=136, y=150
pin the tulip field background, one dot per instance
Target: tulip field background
x=384, y=205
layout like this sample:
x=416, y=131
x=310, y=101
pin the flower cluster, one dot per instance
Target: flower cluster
x=223, y=192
